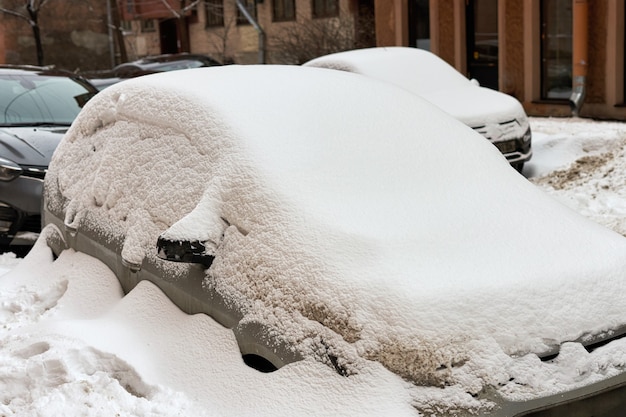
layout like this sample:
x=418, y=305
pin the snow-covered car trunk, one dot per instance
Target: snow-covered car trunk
x=351, y=223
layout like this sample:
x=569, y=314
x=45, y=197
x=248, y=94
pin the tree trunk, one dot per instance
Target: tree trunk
x=34, y=24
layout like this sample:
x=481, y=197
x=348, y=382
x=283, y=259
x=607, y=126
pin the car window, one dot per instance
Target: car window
x=178, y=65
x=36, y=99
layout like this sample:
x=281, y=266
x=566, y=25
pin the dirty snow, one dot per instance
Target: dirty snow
x=72, y=344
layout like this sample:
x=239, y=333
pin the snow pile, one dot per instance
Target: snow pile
x=91, y=351
x=588, y=175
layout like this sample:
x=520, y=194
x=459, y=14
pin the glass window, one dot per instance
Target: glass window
x=556, y=49
x=36, y=99
x=147, y=25
x=419, y=30
x=325, y=8
x=126, y=26
x=250, y=6
x=283, y=10
x=214, y=13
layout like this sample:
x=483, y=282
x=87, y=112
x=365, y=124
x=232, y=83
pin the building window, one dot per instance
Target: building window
x=214, y=13
x=556, y=49
x=126, y=26
x=283, y=10
x=325, y=8
x=250, y=6
x=147, y=25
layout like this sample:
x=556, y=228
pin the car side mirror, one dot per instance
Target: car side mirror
x=183, y=251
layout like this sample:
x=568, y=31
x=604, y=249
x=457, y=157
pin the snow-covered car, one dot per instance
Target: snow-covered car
x=497, y=116
x=322, y=217
x=37, y=106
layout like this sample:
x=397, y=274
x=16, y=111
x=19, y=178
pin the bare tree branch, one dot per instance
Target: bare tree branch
x=308, y=39
x=32, y=8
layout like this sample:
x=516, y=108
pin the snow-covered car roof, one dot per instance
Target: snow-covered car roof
x=348, y=216
x=427, y=75
x=413, y=69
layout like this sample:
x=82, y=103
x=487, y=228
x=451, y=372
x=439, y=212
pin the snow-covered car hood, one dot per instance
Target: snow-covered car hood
x=352, y=218
x=32, y=146
x=486, y=106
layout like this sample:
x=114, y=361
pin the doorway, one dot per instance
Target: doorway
x=419, y=24
x=482, y=41
x=168, y=35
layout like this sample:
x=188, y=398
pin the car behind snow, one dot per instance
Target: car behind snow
x=163, y=63
x=495, y=115
x=37, y=106
x=321, y=216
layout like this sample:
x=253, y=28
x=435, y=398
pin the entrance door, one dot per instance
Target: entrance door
x=419, y=24
x=482, y=41
x=168, y=36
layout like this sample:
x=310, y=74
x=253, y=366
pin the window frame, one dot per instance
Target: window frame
x=546, y=93
x=251, y=7
x=324, y=8
x=283, y=10
x=213, y=13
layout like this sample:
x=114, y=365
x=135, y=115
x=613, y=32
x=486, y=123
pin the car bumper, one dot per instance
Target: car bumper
x=605, y=398
x=513, y=139
x=20, y=210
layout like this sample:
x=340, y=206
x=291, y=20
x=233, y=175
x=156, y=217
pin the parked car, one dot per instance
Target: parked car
x=497, y=116
x=37, y=106
x=304, y=210
x=148, y=65
x=163, y=63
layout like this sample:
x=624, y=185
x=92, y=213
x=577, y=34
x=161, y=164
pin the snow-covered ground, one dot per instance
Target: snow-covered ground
x=582, y=163
x=74, y=346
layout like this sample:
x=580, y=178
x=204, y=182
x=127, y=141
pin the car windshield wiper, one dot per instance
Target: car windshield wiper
x=35, y=124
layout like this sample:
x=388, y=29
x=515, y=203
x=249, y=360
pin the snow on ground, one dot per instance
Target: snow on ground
x=74, y=346
x=580, y=162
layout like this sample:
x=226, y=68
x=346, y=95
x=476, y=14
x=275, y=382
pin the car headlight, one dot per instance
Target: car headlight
x=9, y=170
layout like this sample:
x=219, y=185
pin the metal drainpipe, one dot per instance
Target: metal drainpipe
x=242, y=8
x=580, y=22
x=110, y=33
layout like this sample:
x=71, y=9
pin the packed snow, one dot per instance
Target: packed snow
x=74, y=344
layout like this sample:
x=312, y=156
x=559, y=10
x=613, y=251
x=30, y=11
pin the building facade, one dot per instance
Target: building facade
x=535, y=50
x=75, y=34
x=248, y=31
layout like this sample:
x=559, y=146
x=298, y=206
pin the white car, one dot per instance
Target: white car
x=298, y=207
x=497, y=116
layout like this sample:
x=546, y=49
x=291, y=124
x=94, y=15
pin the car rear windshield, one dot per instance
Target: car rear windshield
x=39, y=99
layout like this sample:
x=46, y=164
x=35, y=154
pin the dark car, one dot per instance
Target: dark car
x=164, y=63
x=37, y=106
